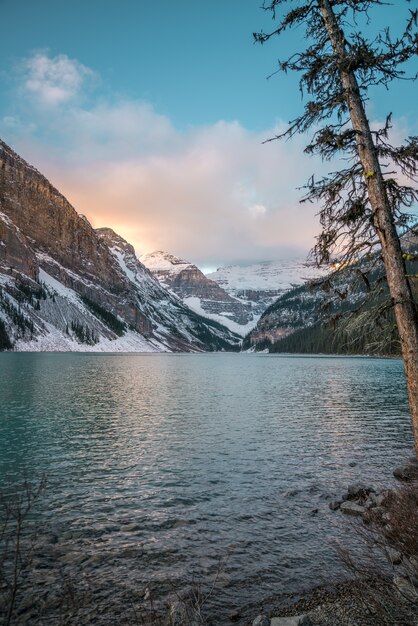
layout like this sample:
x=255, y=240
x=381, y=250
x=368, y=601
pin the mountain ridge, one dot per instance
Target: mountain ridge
x=59, y=277
x=198, y=292
x=304, y=318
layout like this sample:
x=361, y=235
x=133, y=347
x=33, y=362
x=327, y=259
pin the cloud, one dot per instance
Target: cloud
x=257, y=211
x=212, y=194
x=53, y=81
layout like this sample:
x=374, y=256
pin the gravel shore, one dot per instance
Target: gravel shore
x=353, y=603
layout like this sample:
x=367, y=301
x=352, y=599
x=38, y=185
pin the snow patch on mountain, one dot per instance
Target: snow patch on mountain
x=57, y=341
x=160, y=262
x=56, y=287
x=195, y=304
x=119, y=256
x=267, y=276
x=202, y=295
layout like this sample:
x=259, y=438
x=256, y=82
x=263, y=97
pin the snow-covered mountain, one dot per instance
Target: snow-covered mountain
x=235, y=296
x=260, y=284
x=165, y=266
x=199, y=293
x=304, y=318
x=65, y=286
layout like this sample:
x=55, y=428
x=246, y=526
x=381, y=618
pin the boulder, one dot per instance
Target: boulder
x=406, y=588
x=234, y=616
x=394, y=556
x=407, y=472
x=352, y=508
x=335, y=505
x=261, y=620
x=358, y=490
x=295, y=620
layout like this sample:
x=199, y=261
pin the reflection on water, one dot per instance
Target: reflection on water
x=177, y=461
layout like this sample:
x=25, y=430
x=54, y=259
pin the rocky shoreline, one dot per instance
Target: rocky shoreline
x=373, y=596
x=342, y=604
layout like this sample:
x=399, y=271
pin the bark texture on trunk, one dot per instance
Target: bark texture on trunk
x=399, y=288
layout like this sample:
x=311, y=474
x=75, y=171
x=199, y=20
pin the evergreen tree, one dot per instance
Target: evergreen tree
x=363, y=204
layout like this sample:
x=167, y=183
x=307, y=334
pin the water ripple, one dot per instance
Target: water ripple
x=183, y=460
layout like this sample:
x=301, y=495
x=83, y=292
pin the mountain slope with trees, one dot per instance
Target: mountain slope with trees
x=339, y=316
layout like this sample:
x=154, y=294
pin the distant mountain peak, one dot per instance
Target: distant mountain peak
x=160, y=261
x=198, y=292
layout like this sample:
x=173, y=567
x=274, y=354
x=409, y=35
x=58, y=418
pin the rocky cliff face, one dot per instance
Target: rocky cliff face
x=49, y=220
x=14, y=251
x=65, y=243
x=183, y=277
x=199, y=292
x=63, y=282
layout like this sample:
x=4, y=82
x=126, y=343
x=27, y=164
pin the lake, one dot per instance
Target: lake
x=167, y=469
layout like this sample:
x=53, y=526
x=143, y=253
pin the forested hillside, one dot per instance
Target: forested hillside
x=349, y=313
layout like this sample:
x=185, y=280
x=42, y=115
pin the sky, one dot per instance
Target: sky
x=150, y=118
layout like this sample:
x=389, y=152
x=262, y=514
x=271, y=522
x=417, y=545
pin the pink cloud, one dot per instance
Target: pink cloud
x=212, y=194
x=219, y=195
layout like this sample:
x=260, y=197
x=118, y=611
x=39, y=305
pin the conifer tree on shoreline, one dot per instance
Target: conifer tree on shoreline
x=362, y=205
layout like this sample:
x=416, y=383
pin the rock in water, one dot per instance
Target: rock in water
x=352, y=508
x=334, y=506
x=295, y=620
x=407, y=472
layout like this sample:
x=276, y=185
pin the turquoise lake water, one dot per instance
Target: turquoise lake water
x=160, y=466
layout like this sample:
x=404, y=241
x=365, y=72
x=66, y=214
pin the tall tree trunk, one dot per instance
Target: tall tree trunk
x=399, y=287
